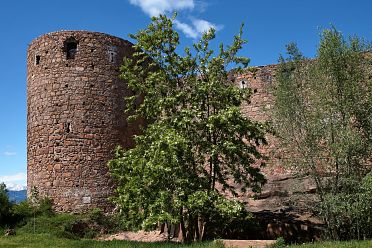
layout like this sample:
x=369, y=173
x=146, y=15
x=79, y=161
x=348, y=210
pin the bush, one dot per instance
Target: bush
x=5, y=207
x=96, y=215
x=54, y=225
x=241, y=226
x=71, y=226
x=349, y=215
x=280, y=243
x=45, y=207
x=21, y=212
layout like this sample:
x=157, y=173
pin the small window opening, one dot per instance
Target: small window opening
x=111, y=55
x=68, y=127
x=243, y=85
x=71, y=47
x=37, y=59
x=112, y=51
x=255, y=91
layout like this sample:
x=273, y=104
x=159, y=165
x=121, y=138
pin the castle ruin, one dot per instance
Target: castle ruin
x=75, y=116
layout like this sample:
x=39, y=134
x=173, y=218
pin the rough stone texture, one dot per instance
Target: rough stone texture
x=283, y=205
x=75, y=116
x=261, y=80
x=75, y=119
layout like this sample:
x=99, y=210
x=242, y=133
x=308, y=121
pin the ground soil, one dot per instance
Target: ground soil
x=142, y=236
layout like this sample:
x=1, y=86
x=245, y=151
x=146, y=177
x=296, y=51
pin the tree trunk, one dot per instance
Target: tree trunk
x=201, y=228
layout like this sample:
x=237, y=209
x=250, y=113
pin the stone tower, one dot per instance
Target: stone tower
x=75, y=119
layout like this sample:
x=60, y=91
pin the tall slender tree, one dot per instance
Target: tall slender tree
x=322, y=114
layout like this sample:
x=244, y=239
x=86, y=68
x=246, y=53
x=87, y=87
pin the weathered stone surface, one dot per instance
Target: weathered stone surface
x=75, y=103
x=283, y=205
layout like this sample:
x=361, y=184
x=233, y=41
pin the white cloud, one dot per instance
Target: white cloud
x=202, y=26
x=19, y=177
x=157, y=7
x=9, y=153
x=186, y=29
x=199, y=26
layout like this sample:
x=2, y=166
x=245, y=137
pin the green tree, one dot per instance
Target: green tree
x=197, y=146
x=5, y=206
x=322, y=115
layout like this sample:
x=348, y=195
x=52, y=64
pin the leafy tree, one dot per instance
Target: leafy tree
x=5, y=206
x=322, y=114
x=197, y=146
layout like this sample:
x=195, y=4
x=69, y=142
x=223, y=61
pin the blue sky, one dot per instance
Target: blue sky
x=269, y=25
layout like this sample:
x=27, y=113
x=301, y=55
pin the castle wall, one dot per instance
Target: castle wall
x=75, y=116
x=261, y=80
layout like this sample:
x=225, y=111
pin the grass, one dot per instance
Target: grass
x=48, y=240
x=338, y=244
x=54, y=231
x=43, y=240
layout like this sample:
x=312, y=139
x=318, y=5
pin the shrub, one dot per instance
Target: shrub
x=5, y=206
x=45, y=207
x=280, y=243
x=349, y=215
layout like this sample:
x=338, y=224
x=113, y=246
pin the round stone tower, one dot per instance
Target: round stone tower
x=75, y=118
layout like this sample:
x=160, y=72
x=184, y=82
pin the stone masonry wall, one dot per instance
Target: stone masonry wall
x=261, y=80
x=75, y=116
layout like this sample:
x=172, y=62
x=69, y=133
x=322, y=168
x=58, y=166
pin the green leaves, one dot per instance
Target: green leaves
x=322, y=115
x=196, y=137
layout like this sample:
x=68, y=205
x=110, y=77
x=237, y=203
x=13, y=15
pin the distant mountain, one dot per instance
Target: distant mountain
x=17, y=195
x=15, y=187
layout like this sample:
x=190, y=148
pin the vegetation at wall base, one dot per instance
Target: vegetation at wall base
x=338, y=244
x=48, y=240
x=322, y=115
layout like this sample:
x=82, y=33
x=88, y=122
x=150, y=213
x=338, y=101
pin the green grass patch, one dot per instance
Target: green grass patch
x=47, y=240
x=338, y=244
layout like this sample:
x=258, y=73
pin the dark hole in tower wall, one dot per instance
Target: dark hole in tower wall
x=68, y=127
x=71, y=47
x=37, y=59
